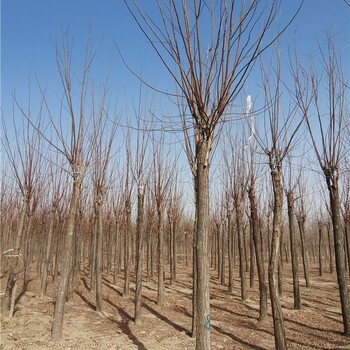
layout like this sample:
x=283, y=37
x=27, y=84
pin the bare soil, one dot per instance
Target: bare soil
x=233, y=322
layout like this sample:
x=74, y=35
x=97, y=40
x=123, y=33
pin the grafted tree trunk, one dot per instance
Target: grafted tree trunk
x=149, y=250
x=301, y=224
x=251, y=257
x=13, y=255
x=277, y=315
x=118, y=253
x=194, y=272
x=48, y=249
x=160, y=294
x=330, y=250
x=219, y=248
x=333, y=188
x=99, y=252
x=293, y=249
x=241, y=247
x=127, y=234
x=320, y=250
x=202, y=258
x=347, y=233
x=259, y=253
x=139, y=253
x=230, y=234
x=66, y=268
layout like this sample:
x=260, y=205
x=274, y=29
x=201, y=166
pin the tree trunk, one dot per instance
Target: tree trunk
x=251, y=257
x=57, y=323
x=293, y=249
x=260, y=265
x=339, y=251
x=127, y=234
x=202, y=205
x=27, y=251
x=230, y=234
x=347, y=234
x=277, y=315
x=223, y=252
x=242, y=260
x=14, y=256
x=139, y=253
x=301, y=224
x=330, y=247
x=172, y=227
x=93, y=252
x=194, y=273
x=117, y=254
x=99, y=254
x=320, y=243
x=48, y=250
x=160, y=294
x=149, y=252
x=219, y=247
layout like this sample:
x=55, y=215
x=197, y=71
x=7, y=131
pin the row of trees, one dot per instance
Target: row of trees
x=126, y=194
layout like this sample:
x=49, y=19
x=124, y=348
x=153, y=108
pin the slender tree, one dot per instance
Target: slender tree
x=71, y=142
x=23, y=155
x=290, y=189
x=329, y=143
x=209, y=78
x=140, y=174
x=280, y=137
x=103, y=137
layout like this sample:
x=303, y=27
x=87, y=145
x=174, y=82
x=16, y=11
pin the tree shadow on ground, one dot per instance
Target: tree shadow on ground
x=165, y=319
x=111, y=286
x=85, y=300
x=124, y=325
x=237, y=339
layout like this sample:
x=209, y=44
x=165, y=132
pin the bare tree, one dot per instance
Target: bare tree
x=160, y=189
x=301, y=215
x=140, y=174
x=327, y=136
x=55, y=178
x=128, y=188
x=280, y=137
x=254, y=216
x=290, y=189
x=24, y=159
x=209, y=77
x=70, y=130
x=103, y=137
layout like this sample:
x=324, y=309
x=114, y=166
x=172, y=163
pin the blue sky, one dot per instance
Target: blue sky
x=29, y=27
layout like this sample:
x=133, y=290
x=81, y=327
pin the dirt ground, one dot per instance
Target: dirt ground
x=233, y=322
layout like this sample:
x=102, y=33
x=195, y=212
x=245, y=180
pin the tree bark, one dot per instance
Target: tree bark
x=301, y=224
x=117, y=254
x=56, y=332
x=260, y=265
x=99, y=254
x=339, y=251
x=320, y=244
x=160, y=294
x=139, y=254
x=230, y=234
x=202, y=204
x=277, y=315
x=127, y=235
x=241, y=241
x=293, y=249
x=48, y=250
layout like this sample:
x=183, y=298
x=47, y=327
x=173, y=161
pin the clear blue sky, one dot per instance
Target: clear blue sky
x=29, y=27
